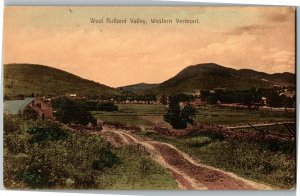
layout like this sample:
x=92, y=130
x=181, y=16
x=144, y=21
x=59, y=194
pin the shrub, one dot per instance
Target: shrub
x=71, y=111
x=107, y=159
x=29, y=114
x=11, y=124
x=65, y=163
x=40, y=154
x=107, y=106
x=91, y=105
x=35, y=178
x=46, y=130
x=47, y=165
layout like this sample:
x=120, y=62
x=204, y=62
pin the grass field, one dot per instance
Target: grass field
x=136, y=172
x=233, y=117
x=132, y=114
x=275, y=164
x=272, y=167
x=270, y=163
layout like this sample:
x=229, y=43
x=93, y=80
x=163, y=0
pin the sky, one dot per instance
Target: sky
x=258, y=38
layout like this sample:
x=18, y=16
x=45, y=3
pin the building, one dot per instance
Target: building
x=44, y=109
x=16, y=106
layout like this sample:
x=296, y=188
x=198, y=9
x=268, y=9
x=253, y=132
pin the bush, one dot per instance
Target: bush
x=71, y=111
x=46, y=130
x=14, y=140
x=35, y=178
x=65, y=163
x=29, y=114
x=91, y=105
x=106, y=159
x=47, y=165
x=15, y=143
x=107, y=106
x=68, y=163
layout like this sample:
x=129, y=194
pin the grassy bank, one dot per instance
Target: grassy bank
x=270, y=163
x=136, y=172
x=40, y=154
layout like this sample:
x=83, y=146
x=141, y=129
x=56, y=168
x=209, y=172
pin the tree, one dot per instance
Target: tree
x=71, y=111
x=177, y=117
x=164, y=100
x=107, y=106
x=188, y=114
x=274, y=100
x=29, y=113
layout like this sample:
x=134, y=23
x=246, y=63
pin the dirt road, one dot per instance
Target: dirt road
x=189, y=174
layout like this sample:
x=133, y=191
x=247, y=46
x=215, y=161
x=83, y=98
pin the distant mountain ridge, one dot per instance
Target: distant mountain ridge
x=210, y=76
x=137, y=87
x=40, y=79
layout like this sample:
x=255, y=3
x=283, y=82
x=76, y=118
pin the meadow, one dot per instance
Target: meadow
x=95, y=164
x=132, y=114
x=274, y=166
x=272, y=163
x=142, y=114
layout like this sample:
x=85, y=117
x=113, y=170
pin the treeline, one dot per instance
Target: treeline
x=248, y=97
x=179, y=97
x=67, y=110
x=147, y=98
x=107, y=106
x=72, y=111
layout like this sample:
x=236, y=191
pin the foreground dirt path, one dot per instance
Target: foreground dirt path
x=188, y=173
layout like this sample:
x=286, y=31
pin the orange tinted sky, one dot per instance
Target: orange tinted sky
x=259, y=38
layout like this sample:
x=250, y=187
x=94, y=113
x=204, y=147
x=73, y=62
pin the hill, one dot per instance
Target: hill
x=210, y=76
x=137, y=87
x=39, y=79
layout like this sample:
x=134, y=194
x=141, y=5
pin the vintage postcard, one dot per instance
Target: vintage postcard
x=149, y=97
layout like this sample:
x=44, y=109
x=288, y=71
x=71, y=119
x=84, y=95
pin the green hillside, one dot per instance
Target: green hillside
x=38, y=79
x=211, y=76
x=43, y=80
x=137, y=87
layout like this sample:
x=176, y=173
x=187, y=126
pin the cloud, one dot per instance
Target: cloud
x=246, y=51
x=282, y=14
x=237, y=37
x=281, y=58
x=250, y=29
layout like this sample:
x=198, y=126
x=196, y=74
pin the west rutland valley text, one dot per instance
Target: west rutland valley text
x=143, y=21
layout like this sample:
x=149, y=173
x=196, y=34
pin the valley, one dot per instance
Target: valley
x=233, y=115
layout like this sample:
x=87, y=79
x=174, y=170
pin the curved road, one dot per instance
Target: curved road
x=189, y=174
